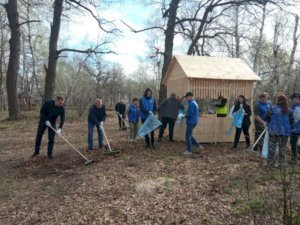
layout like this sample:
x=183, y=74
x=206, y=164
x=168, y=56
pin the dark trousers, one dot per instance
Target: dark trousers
x=259, y=128
x=167, y=121
x=40, y=132
x=294, y=145
x=121, y=122
x=238, y=132
x=275, y=140
x=147, y=138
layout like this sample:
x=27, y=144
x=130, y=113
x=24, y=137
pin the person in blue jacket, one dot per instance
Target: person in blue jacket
x=134, y=114
x=279, y=130
x=192, y=119
x=261, y=110
x=148, y=106
x=96, y=117
x=295, y=123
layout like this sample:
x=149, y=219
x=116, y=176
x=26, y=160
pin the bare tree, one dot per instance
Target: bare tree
x=11, y=8
x=54, y=53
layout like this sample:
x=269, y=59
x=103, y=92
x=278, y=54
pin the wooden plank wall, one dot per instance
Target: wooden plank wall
x=212, y=129
x=203, y=88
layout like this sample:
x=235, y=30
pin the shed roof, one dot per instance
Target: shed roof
x=206, y=67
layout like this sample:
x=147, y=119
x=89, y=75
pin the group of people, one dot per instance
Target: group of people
x=281, y=121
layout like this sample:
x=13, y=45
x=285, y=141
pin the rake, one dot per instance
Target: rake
x=87, y=161
x=110, y=152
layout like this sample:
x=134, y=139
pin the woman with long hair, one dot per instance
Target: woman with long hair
x=279, y=130
x=246, y=109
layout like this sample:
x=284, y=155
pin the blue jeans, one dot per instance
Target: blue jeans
x=90, y=136
x=190, y=140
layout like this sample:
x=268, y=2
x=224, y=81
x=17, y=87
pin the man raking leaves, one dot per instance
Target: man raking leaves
x=50, y=111
x=87, y=161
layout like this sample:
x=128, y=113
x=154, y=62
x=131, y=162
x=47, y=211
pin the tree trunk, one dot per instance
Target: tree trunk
x=260, y=39
x=169, y=42
x=52, y=59
x=236, y=32
x=288, y=75
x=201, y=28
x=14, y=59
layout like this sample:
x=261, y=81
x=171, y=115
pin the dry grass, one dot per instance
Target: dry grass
x=137, y=186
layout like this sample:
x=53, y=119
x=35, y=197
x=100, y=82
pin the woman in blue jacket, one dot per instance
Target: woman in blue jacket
x=279, y=130
x=148, y=106
x=134, y=114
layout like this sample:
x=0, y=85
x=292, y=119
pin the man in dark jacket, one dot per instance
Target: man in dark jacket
x=121, y=111
x=96, y=117
x=169, y=112
x=50, y=111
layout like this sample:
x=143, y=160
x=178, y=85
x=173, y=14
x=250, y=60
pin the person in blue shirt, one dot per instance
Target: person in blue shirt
x=148, y=106
x=134, y=114
x=192, y=119
x=295, y=123
x=261, y=110
x=279, y=130
x=96, y=117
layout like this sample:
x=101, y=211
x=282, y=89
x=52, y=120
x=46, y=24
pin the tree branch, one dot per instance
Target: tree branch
x=100, y=21
x=87, y=51
x=30, y=21
x=137, y=31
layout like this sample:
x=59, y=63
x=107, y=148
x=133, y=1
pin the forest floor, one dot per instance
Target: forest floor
x=137, y=186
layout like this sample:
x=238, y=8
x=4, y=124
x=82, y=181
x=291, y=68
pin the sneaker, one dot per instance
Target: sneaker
x=247, y=147
x=234, y=146
x=171, y=140
x=50, y=157
x=187, y=153
x=131, y=140
x=159, y=139
x=35, y=155
x=200, y=147
x=134, y=140
x=152, y=146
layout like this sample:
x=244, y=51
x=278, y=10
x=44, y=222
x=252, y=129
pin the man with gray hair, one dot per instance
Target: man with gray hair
x=168, y=110
x=96, y=117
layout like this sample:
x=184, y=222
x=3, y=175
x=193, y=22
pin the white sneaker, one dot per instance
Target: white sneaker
x=200, y=147
x=130, y=140
x=187, y=153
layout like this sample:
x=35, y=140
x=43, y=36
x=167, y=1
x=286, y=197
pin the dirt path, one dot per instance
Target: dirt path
x=137, y=186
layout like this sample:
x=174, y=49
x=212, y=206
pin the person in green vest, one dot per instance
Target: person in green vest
x=221, y=106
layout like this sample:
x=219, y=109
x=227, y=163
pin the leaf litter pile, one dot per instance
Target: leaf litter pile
x=136, y=186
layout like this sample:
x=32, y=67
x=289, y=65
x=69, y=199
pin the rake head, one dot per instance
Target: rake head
x=88, y=162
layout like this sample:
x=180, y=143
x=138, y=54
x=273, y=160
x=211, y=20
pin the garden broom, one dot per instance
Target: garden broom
x=110, y=152
x=87, y=161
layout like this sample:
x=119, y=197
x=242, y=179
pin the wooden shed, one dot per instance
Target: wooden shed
x=207, y=78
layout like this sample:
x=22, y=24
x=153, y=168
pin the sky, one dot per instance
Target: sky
x=83, y=31
x=130, y=47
